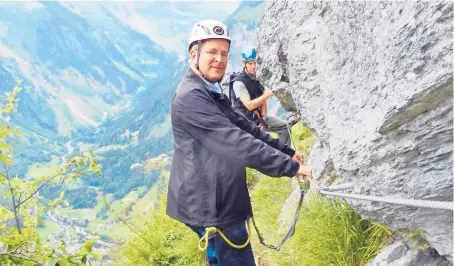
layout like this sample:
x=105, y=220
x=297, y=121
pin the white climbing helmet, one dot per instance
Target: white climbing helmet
x=208, y=29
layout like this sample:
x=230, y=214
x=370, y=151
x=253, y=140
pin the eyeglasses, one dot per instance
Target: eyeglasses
x=214, y=53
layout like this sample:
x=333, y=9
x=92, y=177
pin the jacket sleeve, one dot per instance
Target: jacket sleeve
x=242, y=122
x=205, y=121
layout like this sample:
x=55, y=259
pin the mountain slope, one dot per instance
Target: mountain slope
x=96, y=76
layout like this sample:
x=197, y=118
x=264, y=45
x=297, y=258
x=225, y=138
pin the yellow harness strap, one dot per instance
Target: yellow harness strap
x=213, y=230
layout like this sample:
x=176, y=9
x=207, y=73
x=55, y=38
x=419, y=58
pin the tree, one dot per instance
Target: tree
x=20, y=217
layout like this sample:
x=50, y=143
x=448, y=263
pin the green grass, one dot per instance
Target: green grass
x=119, y=231
x=100, y=203
x=130, y=198
x=162, y=241
x=78, y=213
x=49, y=228
x=156, y=238
x=72, y=232
x=328, y=232
x=274, y=135
x=164, y=163
x=40, y=169
x=267, y=197
x=143, y=205
x=303, y=138
x=111, y=147
x=252, y=177
x=93, y=225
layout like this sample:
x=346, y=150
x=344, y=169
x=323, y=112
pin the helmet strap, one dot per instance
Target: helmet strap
x=198, y=55
x=199, y=43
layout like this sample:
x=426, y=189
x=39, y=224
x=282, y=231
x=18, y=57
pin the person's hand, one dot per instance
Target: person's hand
x=298, y=156
x=304, y=172
x=262, y=124
x=268, y=93
x=264, y=117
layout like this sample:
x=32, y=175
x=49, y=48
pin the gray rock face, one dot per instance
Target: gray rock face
x=373, y=80
x=401, y=254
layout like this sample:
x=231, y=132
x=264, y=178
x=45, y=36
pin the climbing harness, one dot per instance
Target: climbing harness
x=290, y=232
x=214, y=230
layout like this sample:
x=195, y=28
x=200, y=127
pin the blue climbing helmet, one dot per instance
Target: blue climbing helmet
x=249, y=55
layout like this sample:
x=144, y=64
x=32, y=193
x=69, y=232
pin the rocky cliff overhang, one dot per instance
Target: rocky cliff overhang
x=373, y=80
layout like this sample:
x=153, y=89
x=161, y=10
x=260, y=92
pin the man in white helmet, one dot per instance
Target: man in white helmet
x=213, y=145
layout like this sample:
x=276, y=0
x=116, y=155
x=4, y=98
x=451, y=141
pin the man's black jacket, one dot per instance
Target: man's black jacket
x=213, y=145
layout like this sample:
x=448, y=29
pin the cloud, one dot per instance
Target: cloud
x=31, y=5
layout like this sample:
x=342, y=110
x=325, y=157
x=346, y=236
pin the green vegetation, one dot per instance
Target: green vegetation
x=81, y=197
x=77, y=213
x=20, y=217
x=159, y=240
x=36, y=169
x=112, y=147
x=47, y=228
x=303, y=138
x=328, y=232
x=268, y=196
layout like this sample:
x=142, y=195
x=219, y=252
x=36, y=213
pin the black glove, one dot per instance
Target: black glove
x=263, y=123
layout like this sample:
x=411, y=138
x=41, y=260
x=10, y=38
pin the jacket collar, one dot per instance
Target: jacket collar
x=212, y=87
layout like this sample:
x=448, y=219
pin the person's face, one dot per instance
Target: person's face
x=250, y=67
x=213, y=58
